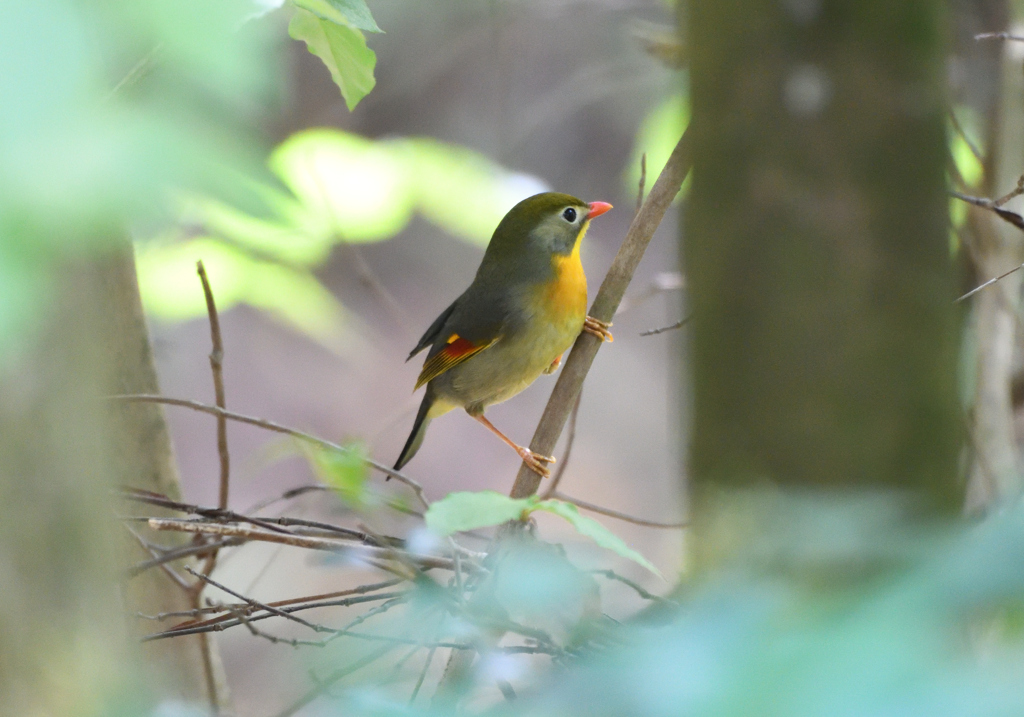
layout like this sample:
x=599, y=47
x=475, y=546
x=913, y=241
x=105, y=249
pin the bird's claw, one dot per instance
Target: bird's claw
x=598, y=328
x=536, y=462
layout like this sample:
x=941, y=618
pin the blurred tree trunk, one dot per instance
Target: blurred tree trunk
x=824, y=339
x=995, y=247
x=64, y=645
x=141, y=457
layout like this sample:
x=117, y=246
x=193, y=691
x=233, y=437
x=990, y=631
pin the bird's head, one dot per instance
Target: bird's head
x=543, y=226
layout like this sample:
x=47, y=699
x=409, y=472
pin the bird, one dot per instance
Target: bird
x=524, y=308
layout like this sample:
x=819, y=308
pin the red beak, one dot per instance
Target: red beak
x=597, y=209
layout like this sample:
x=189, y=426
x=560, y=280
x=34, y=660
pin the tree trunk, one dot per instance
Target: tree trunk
x=65, y=648
x=824, y=339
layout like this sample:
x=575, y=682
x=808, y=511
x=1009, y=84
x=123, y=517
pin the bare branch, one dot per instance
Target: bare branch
x=616, y=514
x=671, y=327
x=568, y=446
x=988, y=283
x=999, y=36
x=370, y=554
x=277, y=428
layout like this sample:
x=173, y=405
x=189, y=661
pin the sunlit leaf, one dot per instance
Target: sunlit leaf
x=590, y=528
x=465, y=510
x=170, y=289
x=289, y=234
x=350, y=12
x=462, y=191
x=344, y=471
x=352, y=189
x=658, y=135
x=342, y=49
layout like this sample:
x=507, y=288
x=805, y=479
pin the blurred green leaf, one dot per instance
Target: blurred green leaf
x=170, y=289
x=590, y=528
x=116, y=102
x=345, y=12
x=466, y=510
x=461, y=190
x=658, y=135
x=346, y=472
x=342, y=49
x=350, y=188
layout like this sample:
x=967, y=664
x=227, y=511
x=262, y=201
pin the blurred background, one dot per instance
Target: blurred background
x=340, y=201
x=556, y=92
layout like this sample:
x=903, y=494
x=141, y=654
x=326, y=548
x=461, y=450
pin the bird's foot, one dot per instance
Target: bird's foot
x=536, y=461
x=554, y=365
x=598, y=328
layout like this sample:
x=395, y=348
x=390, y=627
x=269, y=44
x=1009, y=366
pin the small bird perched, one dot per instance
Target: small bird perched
x=526, y=306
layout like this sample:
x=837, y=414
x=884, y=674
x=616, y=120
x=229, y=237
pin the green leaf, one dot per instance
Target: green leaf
x=344, y=12
x=342, y=49
x=350, y=188
x=590, y=528
x=171, y=290
x=657, y=137
x=460, y=190
x=466, y=510
x=346, y=472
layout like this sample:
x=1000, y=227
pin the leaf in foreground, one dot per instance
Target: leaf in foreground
x=342, y=49
x=465, y=510
x=590, y=528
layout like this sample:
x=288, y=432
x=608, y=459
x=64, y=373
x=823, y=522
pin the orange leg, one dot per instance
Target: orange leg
x=535, y=460
x=598, y=328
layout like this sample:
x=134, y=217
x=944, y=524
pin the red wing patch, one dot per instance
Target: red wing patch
x=457, y=351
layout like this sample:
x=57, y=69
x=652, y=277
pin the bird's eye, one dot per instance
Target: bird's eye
x=569, y=215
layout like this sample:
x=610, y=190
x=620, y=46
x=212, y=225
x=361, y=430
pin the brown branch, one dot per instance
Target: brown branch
x=277, y=428
x=671, y=327
x=570, y=381
x=187, y=551
x=616, y=514
x=371, y=554
x=256, y=604
x=570, y=440
x=217, y=368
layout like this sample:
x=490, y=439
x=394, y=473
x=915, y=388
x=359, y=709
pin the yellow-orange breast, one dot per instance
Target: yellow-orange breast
x=565, y=297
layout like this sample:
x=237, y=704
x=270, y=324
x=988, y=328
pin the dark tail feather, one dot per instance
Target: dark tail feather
x=419, y=429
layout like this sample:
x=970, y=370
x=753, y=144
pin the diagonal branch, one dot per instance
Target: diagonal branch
x=570, y=381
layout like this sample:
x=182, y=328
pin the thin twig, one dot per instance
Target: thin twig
x=326, y=683
x=642, y=228
x=637, y=588
x=155, y=556
x=671, y=327
x=999, y=36
x=423, y=675
x=256, y=603
x=187, y=551
x=221, y=622
x=988, y=283
x=372, y=555
x=616, y=514
x=217, y=368
x=277, y=428
x=138, y=70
